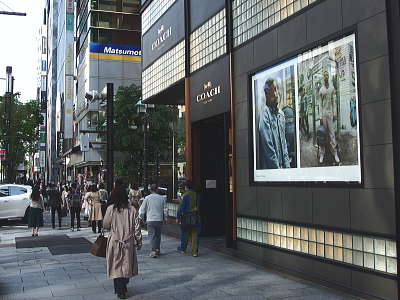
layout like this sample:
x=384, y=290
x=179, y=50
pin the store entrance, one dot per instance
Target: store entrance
x=211, y=174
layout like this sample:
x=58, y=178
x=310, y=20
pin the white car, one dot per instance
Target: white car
x=14, y=201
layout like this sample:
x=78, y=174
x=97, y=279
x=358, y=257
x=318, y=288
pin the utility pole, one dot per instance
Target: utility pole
x=7, y=123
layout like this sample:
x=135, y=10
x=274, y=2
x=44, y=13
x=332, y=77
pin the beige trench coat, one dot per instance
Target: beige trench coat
x=95, y=209
x=125, y=230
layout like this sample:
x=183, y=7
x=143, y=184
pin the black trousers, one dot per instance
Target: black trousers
x=75, y=212
x=120, y=285
x=100, y=225
x=53, y=216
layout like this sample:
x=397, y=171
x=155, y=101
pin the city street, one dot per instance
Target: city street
x=57, y=265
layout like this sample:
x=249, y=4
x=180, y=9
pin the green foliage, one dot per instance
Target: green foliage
x=25, y=120
x=129, y=139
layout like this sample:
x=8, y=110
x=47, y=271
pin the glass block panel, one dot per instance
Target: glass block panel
x=296, y=232
x=239, y=222
x=369, y=260
x=320, y=250
x=368, y=245
x=312, y=248
x=248, y=234
x=289, y=231
x=253, y=235
x=264, y=226
x=348, y=256
x=358, y=258
x=259, y=226
x=277, y=228
x=379, y=247
x=357, y=243
x=283, y=242
x=290, y=243
x=248, y=223
x=329, y=251
x=271, y=239
x=283, y=230
x=259, y=237
x=321, y=236
x=391, y=248
x=312, y=235
x=239, y=232
x=253, y=225
x=304, y=233
x=391, y=265
x=296, y=245
x=380, y=263
x=304, y=246
x=328, y=238
x=265, y=238
x=338, y=253
x=347, y=241
x=338, y=239
x=270, y=227
x=277, y=240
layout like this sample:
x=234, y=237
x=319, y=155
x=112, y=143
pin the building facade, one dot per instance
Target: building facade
x=282, y=103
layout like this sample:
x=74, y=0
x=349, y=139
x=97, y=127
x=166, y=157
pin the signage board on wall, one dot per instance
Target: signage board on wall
x=210, y=91
x=305, y=117
x=114, y=49
x=164, y=34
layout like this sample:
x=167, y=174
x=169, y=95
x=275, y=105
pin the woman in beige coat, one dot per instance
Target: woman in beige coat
x=121, y=219
x=93, y=198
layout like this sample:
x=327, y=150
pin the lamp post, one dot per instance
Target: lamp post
x=142, y=109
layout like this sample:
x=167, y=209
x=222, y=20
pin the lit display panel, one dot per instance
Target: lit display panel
x=154, y=12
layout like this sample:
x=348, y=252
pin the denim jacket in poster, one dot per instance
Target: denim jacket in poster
x=273, y=152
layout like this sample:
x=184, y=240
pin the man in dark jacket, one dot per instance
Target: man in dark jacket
x=55, y=202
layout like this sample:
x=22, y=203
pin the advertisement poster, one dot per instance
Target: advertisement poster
x=305, y=117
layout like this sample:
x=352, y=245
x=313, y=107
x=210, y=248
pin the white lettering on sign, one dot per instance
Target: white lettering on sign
x=122, y=52
x=162, y=36
x=208, y=94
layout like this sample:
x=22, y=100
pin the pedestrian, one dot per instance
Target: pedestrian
x=104, y=198
x=135, y=195
x=55, y=203
x=35, y=218
x=64, y=195
x=156, y=210
x=93, y=198
x=75, y=206
x=190, y=202
x=121, y=219
x=44, y=191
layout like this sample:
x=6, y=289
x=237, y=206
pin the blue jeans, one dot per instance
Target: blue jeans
x=154, y=232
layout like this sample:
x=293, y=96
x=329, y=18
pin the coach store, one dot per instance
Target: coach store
x=290, y=134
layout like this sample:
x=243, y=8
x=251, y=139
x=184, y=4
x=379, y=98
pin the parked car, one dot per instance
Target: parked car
x=14, y=201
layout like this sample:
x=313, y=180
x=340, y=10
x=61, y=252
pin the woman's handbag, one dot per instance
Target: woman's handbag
x=64, y=212
x=100, y=245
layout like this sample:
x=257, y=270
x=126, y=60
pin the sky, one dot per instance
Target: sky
x=19, y=45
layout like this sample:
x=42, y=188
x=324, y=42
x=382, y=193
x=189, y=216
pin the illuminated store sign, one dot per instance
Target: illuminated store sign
x=206, y=97
x=113, y=49
x=163, y=34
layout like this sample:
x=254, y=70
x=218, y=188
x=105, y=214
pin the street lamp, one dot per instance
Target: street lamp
x=142, y=109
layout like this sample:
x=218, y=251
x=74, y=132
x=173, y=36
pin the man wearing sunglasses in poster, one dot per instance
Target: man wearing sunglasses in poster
x=273, y=153
x=327, y=95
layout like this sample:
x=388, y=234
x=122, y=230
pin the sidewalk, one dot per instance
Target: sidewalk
x=36, y=273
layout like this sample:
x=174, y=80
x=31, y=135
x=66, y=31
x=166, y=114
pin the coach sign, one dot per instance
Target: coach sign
x=164, y=35
x=209, y=91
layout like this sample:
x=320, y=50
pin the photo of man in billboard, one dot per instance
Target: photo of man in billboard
x=328, y=117
x=273, y=153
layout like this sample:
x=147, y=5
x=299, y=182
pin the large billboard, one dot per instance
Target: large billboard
x=305, y=117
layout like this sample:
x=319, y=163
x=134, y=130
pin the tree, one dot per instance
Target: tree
x=128, y=137
x=25, y=119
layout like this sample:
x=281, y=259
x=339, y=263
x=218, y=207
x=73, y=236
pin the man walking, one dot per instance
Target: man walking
x=55, y=203
x=327, y=96
x=190, y=202
x=75, y=206
x=156, y=210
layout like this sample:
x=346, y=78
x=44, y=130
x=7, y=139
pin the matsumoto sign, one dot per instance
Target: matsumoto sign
x=115, y=49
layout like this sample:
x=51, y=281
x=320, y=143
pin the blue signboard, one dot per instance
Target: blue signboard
x=115, y=49
x=44, y=66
